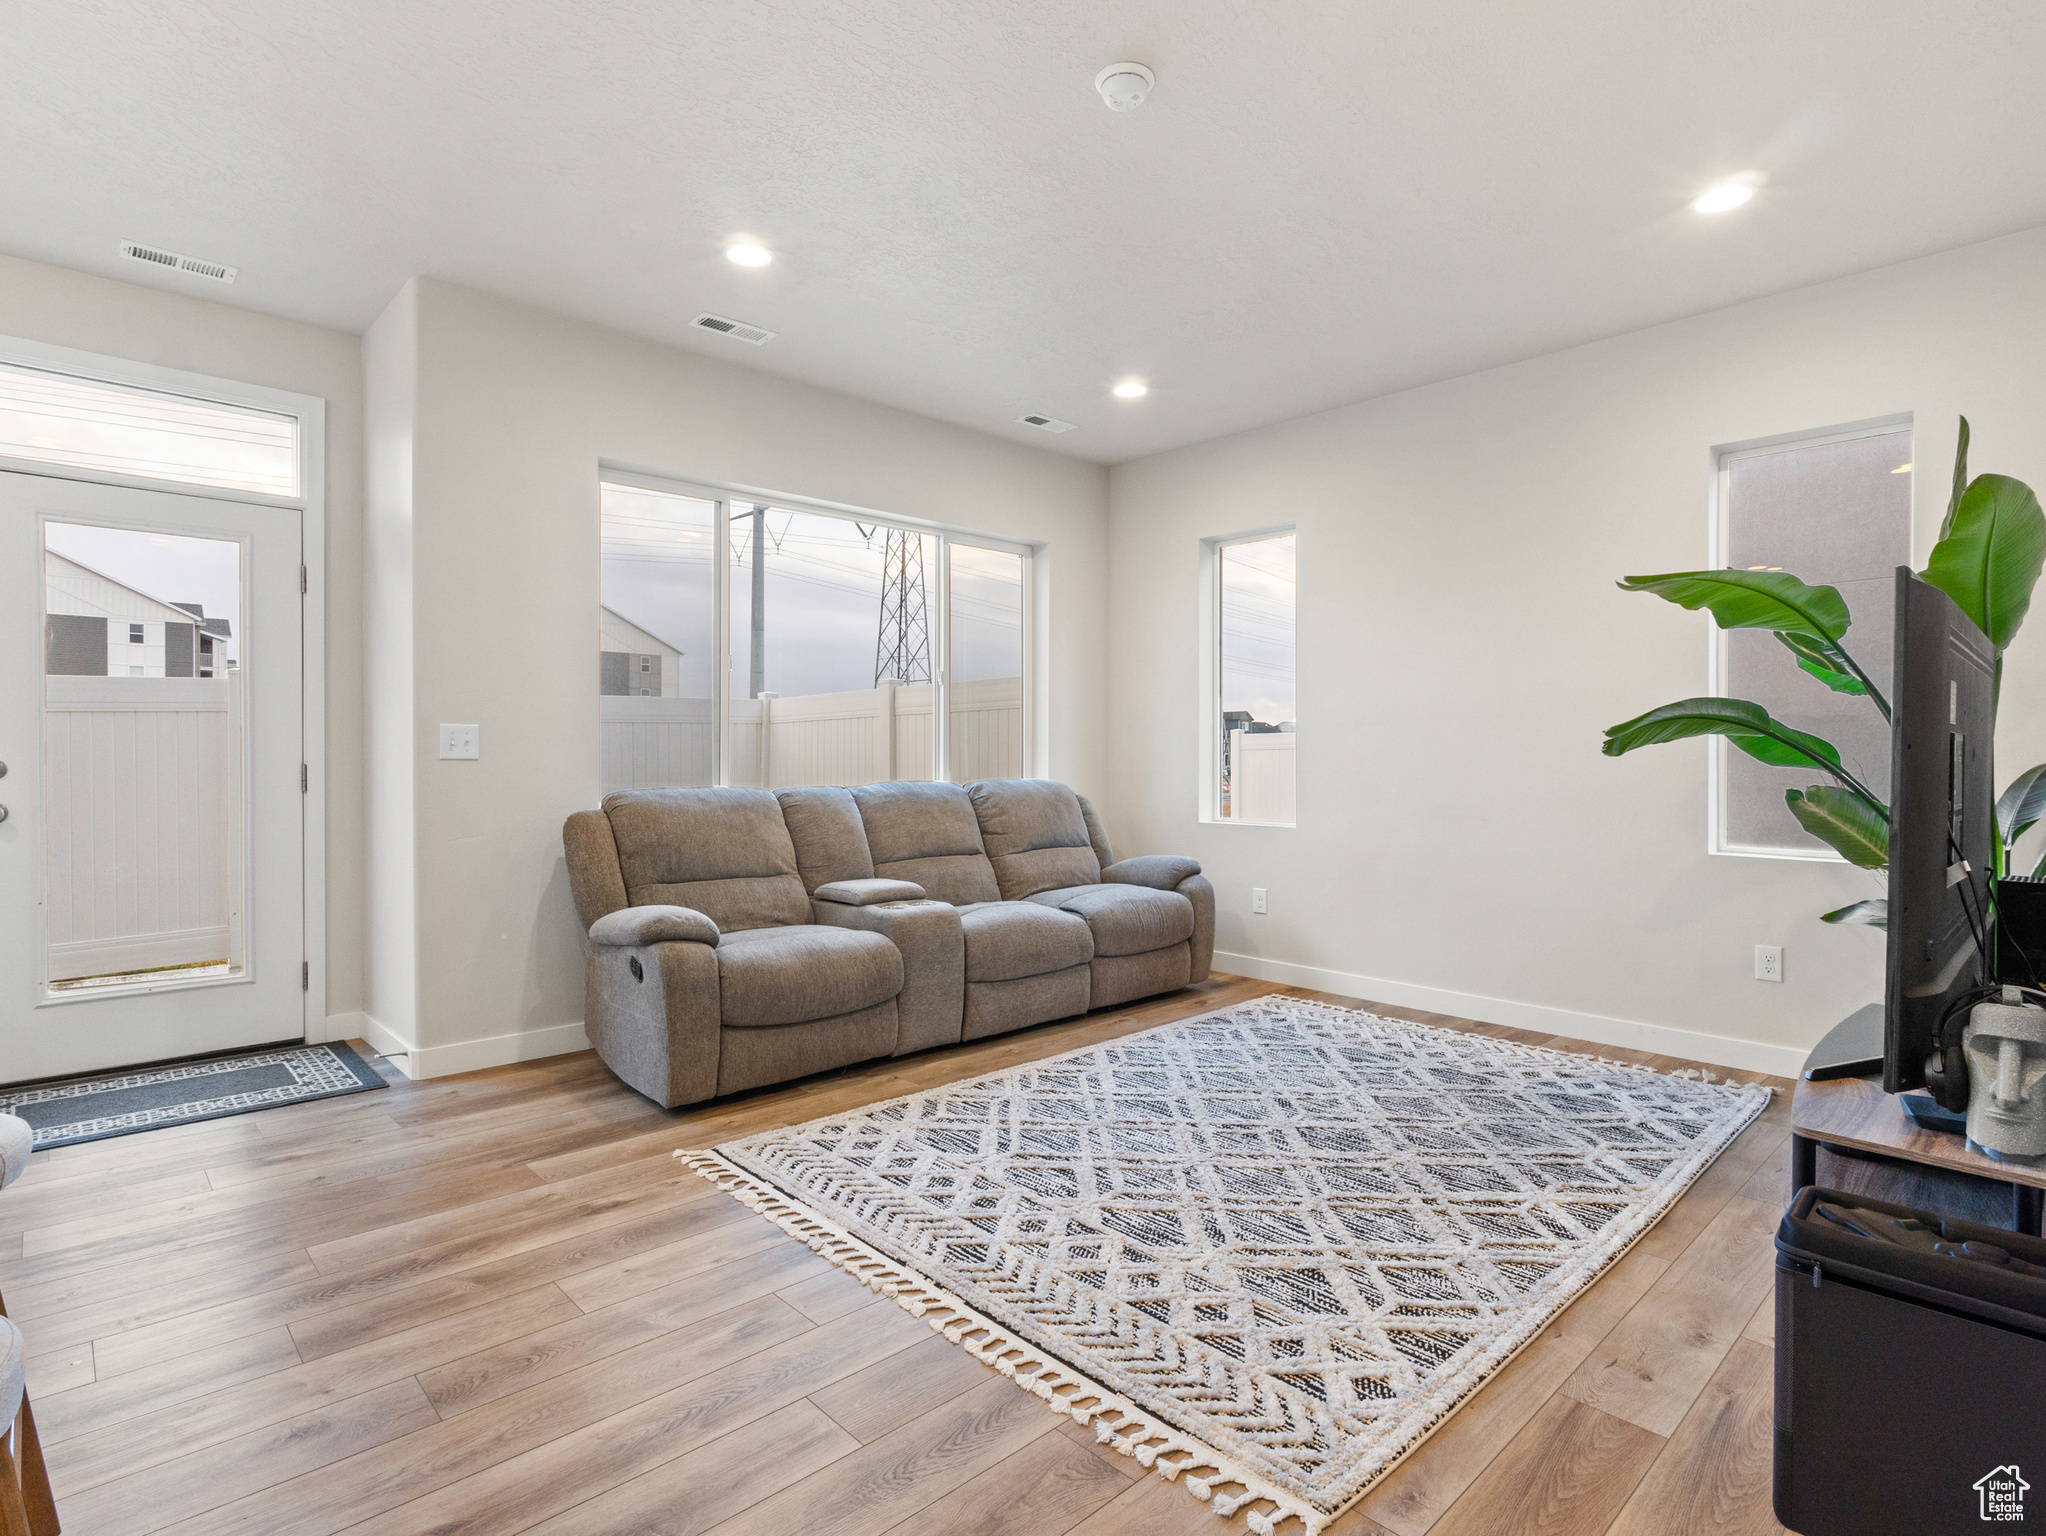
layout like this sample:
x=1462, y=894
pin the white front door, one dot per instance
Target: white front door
x=153, y=853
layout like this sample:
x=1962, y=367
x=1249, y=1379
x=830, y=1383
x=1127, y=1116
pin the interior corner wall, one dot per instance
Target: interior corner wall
x=514, y=410
x=390, y=368
x=1462, y=845
x=147, y=324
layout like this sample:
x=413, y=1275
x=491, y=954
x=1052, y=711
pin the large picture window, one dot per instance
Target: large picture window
x=1833, y=508
x=841, y=641
x=1253, y=714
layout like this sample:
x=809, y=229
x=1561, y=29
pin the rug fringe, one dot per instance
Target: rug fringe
x=1117, y=1421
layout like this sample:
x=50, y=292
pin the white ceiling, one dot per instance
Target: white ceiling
x=1321, y=201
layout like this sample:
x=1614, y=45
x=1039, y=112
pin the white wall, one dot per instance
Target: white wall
x=514, y=410
x=148, y=325
x=1461, y=843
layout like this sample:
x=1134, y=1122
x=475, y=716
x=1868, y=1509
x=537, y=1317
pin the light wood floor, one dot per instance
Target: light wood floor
x=494, y=1303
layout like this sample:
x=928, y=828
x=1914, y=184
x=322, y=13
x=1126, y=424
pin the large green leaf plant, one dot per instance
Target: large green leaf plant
x=1992, y=545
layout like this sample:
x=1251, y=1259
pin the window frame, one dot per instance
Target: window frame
x=1209, y=791
x=722, y=496
x=1718, y=541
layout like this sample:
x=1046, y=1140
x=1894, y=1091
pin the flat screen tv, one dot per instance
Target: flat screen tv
x=1942, y=796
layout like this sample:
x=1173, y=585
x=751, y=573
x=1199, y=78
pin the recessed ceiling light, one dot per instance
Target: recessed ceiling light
x=748, y=253
x=1131, y=389
x=1725, y=196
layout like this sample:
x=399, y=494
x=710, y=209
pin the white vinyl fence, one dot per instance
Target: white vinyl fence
x=143, y=813
x=1261, y=775
x=862, y=737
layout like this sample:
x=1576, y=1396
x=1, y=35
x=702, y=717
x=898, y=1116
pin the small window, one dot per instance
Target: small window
x=134, y=671
x=53, y=418
x=134, y=634
x=646, y=664
x=1833, y=509
x=1252, y=703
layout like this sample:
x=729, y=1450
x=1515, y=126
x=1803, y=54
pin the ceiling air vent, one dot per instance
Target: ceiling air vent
x=1047, y=423
x=156, y=256
x=738, y=330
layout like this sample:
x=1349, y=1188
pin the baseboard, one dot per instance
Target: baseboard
x=1692, y=1045
x=338, y=1026
x=386, y=1042
x=492, y=1051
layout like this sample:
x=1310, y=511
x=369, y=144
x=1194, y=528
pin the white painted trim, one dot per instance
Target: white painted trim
x=473, y=1055
x=338, y=1026
x=1598, y=1029
x=385, y=1041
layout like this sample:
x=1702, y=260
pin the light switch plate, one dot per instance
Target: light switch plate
x=463, y=741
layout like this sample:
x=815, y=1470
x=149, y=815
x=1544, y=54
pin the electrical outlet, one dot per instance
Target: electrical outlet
x=1257, y=900
x=1768, y=962
x=460, y=741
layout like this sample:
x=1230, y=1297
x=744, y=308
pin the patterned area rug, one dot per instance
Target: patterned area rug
x=120, y=1103
x=1267, y=1250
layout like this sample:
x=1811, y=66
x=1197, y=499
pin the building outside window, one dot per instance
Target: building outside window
x=1834, y=509
x=1252, y=705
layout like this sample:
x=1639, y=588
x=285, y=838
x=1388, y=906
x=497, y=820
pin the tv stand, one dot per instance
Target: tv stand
x=1854, y=1113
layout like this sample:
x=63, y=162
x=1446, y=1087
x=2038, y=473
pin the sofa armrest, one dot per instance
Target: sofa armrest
x=867, y=893
x=1160, y=871
x=637, y=926
x=932, y=941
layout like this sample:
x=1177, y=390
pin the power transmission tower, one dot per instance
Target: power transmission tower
x=902, y=649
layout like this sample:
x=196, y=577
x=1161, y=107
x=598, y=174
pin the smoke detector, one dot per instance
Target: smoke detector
x=1124, y=86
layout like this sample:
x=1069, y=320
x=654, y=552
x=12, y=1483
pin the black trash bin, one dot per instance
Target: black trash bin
x=1910, y=1371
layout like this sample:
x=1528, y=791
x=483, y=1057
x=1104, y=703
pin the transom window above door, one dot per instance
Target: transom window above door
x=769, y=643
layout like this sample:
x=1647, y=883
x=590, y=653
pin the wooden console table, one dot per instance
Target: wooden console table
x=1854, y=1112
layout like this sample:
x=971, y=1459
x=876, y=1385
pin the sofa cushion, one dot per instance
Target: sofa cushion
x=927, y=834
x=1007, y=940
x=791, y=975
x=1124, y=919
x=1035, y=835
x=824, y=826
x=723, y=852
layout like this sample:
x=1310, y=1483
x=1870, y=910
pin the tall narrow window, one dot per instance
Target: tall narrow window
x=985, y=696
x=1833, y=510
x=657, y=642
x=1255, y=716
x=833, y=649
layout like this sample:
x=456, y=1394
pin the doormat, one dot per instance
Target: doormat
x=127, y=1100
x=1266, y=1251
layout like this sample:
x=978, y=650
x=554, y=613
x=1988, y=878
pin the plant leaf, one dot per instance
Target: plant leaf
x=1844, y=822
x=1753, y=600
x=2022, y=805
x=1748, y=726
x=1816, y=660
x=1875, y=913
x=1989, y=560
x=1960, y=480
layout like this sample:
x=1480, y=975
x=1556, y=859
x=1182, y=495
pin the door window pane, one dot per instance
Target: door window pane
x=53, y=418
x=1833, y=514
x=985, y=699
x=142, y=655
x=1257, y=714
x=657, y=640
x=831, y=649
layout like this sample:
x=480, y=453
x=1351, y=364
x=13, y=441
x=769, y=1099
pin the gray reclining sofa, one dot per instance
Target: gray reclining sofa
x=742, y=937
